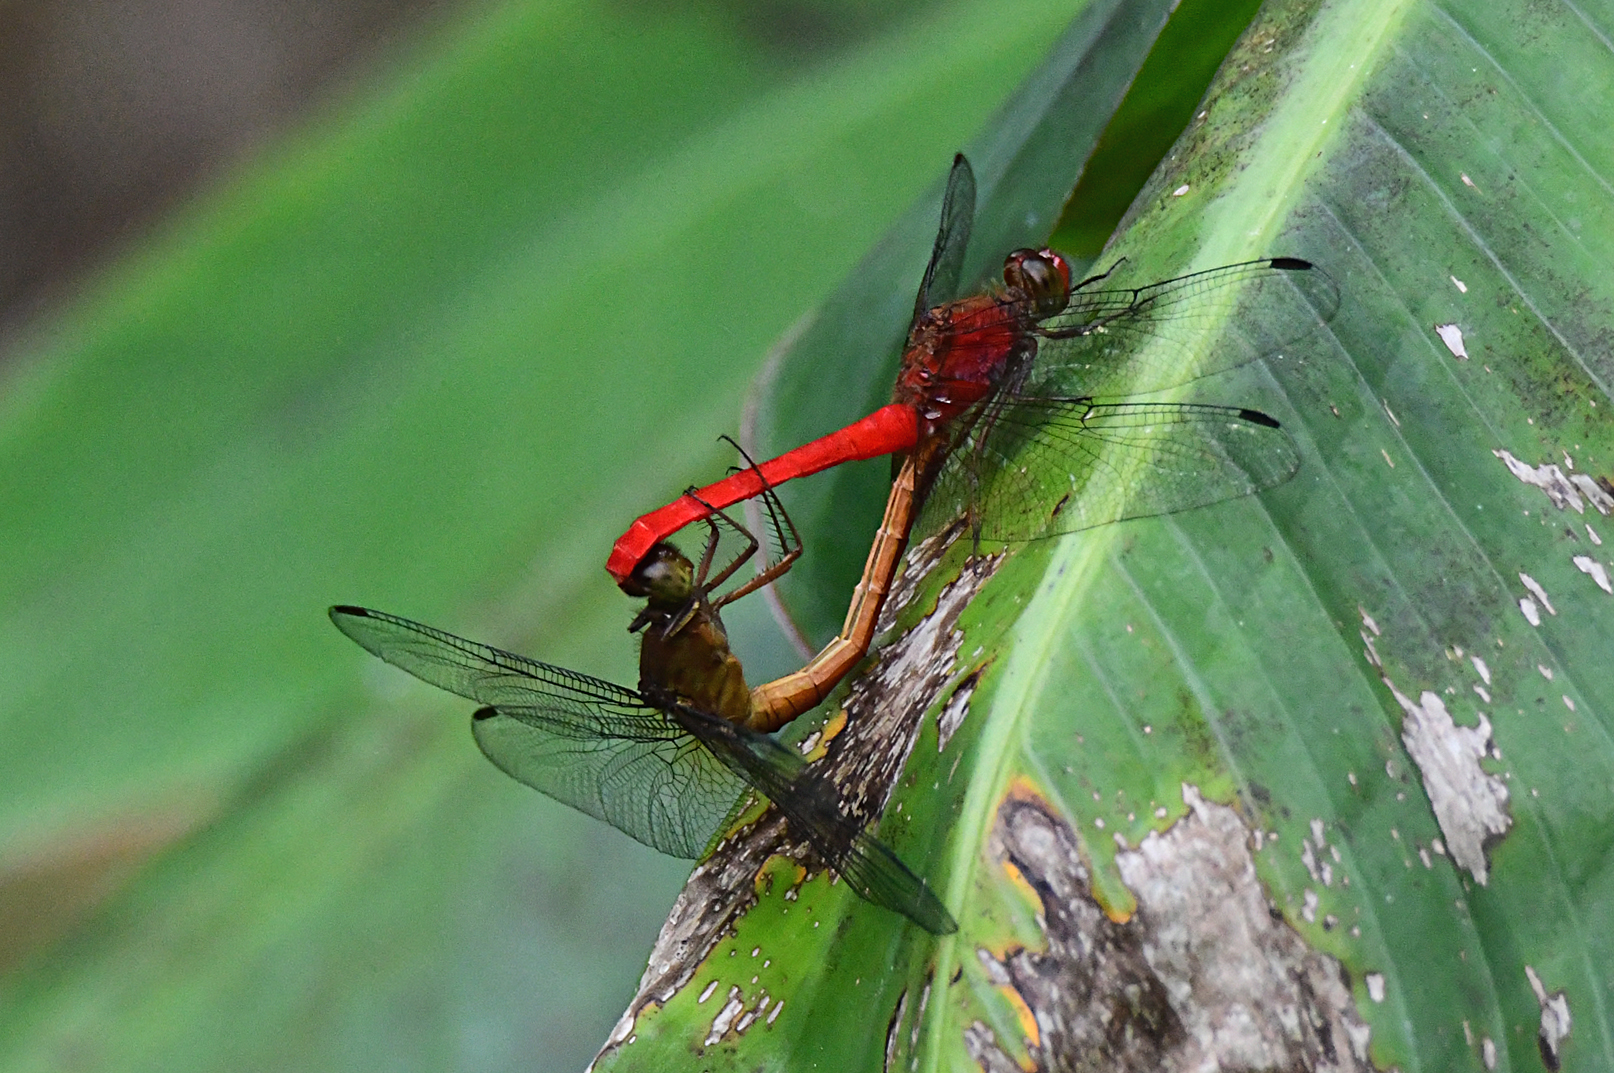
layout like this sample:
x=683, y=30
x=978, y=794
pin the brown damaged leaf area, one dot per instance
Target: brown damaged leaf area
x=887, y=705
x=1206, y=974
x=882, y=718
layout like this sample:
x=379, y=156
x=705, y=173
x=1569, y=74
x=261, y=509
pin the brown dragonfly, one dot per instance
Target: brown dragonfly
x=668, y=764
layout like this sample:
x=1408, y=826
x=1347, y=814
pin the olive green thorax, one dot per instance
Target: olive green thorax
x=685, y=650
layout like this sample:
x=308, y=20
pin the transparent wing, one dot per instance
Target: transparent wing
x=811, y=805
x=870, y=868
x=866, y=864
x=1133, y=341
x=1032, y=468
x=597, y=747
x=663, y=773
x=952, y=239
x=480, y=672
x=669, y=793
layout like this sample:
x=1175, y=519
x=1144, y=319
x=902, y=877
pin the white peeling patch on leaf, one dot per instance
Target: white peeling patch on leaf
x=1532, y=614
x=1555, y=1020
x=1595, y=570
x=1594, y=494
x=725, y=1017
x=952, y=715
x=1452, y=336
x=1572, y=491
x=1375, y=986
x=1308, y=906
x=1313, y=856
x=892, y=1033
x=1470, y=804
x=1538, y=592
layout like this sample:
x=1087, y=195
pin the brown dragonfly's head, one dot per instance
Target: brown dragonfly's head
x=1041, y=276
x=664, y=576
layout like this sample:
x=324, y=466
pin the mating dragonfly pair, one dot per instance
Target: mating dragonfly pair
x=1005, y=413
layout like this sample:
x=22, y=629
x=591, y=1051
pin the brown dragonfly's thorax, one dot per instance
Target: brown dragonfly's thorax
x=955, y=354
x=695, y=665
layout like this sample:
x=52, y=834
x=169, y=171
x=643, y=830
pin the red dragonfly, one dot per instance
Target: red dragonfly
x=1006, y=406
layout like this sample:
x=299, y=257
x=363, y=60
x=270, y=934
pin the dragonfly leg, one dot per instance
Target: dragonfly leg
x=790, y=545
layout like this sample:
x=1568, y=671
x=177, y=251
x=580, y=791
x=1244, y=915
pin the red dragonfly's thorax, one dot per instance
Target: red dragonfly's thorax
x=958, y=352
x=955, y=354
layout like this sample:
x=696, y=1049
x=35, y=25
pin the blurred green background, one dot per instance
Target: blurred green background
x=412, y=305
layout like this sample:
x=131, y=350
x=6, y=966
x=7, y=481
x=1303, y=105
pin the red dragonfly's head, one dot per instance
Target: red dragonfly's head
x=1041, y=278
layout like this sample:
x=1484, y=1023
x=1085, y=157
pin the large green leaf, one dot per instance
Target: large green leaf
x=430, y=354
x=1312, y=780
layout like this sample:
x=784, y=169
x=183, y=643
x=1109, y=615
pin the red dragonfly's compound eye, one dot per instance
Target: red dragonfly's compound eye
x=1042, y=276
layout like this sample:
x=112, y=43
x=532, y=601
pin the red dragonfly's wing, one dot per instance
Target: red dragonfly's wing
x=1111, y=341
x=1032, y=468
x=952, y=239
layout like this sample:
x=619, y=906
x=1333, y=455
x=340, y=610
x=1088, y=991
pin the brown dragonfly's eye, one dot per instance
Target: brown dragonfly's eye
x=1042, y=275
